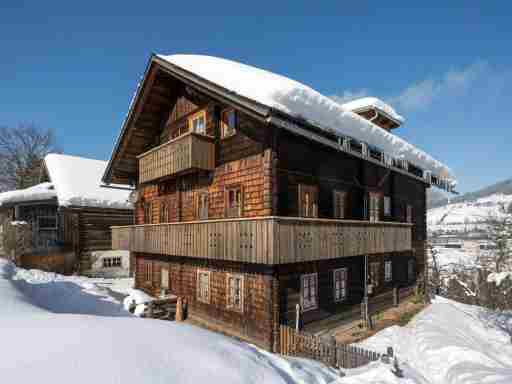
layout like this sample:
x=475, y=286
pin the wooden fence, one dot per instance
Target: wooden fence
x=293, y=343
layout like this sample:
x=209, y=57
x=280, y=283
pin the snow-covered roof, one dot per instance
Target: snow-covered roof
x=43, y=191
x=373, y=102
x=77, y=182
x=299, y=100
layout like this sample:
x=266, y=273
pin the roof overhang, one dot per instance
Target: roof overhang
x=248, y=106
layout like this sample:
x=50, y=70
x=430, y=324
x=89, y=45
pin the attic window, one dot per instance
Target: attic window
x=198, y=122
x=228, y=123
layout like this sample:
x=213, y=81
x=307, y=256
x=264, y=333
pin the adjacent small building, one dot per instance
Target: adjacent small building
x=263, y=202
x=65, y=220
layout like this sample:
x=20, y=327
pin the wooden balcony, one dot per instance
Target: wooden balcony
x=185, y=153
x=265, y=240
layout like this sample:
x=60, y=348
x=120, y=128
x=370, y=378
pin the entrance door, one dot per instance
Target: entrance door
x=164, y=280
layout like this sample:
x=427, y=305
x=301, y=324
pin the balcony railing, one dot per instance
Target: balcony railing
x=187, y=152
x=265, y=240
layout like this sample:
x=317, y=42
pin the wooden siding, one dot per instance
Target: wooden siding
x=189, y=151
x=267, y=240
x=253, y=323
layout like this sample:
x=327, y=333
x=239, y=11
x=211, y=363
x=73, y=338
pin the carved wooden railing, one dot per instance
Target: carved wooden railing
x=265, y=240
x=187, y=152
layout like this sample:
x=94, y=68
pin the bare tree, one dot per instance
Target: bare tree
x=22, y=150
x=500, y=235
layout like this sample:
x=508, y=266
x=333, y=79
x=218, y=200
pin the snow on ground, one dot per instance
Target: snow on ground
x=59, y=329
x=77, y=182
x=51, y=332
x=467, y=215
x=299, y=100
x=452, y=343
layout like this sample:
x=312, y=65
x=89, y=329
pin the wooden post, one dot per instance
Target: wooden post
x=332, y=351
x=395, y=297
x=179, y=309
x=297, y=317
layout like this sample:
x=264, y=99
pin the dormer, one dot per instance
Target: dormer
x=376, y=111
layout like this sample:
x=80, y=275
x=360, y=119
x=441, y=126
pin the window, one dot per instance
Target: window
x=203, y=286
x=373, y=213
x=228, y=123
x=374, y=274
x=410, y=270
x=198, y=122
x=309, y=291
x=308, y=206
x=164, y=278
x=339, y=198
x=164, y=212
x=408, y=217
x=149, y=273
x=147, y=213
x=340, y=284
x=388, y=271
x=234, y=201
x=235, y=292
x=202, y=205
x=47, y=222
x=387, y=206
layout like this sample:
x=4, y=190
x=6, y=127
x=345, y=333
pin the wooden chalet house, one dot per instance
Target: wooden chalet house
x=68, y=216
x=255, y=193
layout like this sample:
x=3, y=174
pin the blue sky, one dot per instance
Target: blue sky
x=447, y=69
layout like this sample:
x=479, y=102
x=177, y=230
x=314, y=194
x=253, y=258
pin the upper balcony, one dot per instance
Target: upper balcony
x=265, y=240
x=188, y=152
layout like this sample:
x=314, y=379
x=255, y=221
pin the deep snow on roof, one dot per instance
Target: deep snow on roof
x=77, y=182
x=299, y=100
x=43, y=191
x=373, y=102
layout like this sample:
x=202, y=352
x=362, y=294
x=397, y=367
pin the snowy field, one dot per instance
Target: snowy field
x=466, y=216
x=56, y=329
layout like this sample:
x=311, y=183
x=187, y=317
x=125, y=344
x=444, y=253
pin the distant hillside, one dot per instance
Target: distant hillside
x=438, y=199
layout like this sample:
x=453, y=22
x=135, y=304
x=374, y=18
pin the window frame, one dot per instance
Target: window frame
x=201, y=194
x=228, y=211
x=304, y=277
x=409, y=213
x=53, y=217
x=196, y=116
x=229, y=299
x=308, y=208
x=387, y=204
x=162, y=274
x=374, y=277
x=148, y=212
x=231, y=131
x=388, y=271
x=199, y=296
x=148, y=273
x=164, y=211
x=342, y=297
x=411, y=270
x=374, y=201
x=339, y=210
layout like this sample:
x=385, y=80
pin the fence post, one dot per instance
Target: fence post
x=332, y=351
x=297, y=317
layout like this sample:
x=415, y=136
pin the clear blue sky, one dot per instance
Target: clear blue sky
x=73, y=66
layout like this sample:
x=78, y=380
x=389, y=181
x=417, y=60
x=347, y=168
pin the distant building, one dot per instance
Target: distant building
x=69, y=215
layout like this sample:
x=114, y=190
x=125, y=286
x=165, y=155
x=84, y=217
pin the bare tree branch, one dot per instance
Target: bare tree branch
x=22, y=150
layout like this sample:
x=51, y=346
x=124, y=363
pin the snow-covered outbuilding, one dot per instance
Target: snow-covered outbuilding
x=70, y=214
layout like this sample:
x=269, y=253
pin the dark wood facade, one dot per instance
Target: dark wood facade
x=259, y=192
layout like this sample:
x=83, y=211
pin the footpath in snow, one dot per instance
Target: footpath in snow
x=56, y=329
